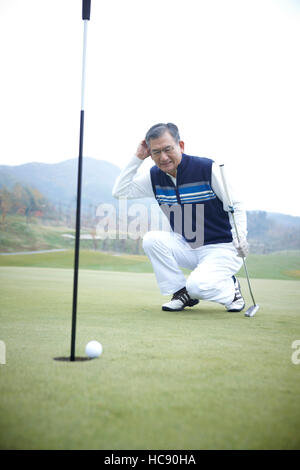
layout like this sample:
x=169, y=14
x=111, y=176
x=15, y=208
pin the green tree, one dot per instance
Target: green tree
x=6, y=202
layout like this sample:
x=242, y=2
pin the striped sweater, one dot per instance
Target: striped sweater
x=192, y=207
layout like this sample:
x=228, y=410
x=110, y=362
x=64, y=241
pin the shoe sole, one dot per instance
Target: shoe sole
x=190, y=304
x=167, y=309
x=237, y=309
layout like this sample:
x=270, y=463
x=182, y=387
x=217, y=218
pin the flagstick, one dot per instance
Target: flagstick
x=86, y=7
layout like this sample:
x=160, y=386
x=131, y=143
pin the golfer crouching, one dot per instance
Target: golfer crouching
x=189, y=191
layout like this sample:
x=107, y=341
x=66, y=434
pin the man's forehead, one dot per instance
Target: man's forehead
x=166, y=137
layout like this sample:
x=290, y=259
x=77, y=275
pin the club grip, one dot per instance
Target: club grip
x=226, y=187
x=86, y=9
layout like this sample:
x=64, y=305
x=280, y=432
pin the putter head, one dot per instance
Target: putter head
x=251, y=311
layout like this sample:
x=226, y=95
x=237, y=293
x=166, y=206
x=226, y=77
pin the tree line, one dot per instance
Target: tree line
x=23, y=200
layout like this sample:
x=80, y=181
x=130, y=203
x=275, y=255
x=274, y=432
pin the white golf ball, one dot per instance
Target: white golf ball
x=93, y=349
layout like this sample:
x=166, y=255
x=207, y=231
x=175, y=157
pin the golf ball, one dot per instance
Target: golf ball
x=93, y=349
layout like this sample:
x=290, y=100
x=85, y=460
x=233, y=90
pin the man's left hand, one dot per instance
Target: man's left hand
x=241, y=247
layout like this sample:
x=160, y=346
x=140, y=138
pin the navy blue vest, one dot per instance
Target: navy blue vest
x=192, y=207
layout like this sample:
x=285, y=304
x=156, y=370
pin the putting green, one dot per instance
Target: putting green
x=199, y=379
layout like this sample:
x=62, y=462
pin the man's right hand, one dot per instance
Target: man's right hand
x=143, y=150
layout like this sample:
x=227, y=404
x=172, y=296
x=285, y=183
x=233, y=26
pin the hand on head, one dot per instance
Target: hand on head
x=143, y=150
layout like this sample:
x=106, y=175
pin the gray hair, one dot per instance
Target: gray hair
x=158, y=130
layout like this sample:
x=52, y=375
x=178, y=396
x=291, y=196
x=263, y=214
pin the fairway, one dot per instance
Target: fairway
x=199, y=379
x=278, y=265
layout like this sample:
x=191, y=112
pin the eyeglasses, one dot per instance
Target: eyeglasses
x=157, y=152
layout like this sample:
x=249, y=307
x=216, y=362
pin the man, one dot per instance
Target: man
x=189, y=190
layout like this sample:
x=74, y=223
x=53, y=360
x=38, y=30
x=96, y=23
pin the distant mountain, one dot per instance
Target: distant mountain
x=58, y=181
x=284, y=219
x=271, y=231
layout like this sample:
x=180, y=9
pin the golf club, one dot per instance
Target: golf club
x=86, y=9
x=253, y=309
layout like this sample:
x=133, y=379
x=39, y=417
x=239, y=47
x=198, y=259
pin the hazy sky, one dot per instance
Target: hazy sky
x=227, y=72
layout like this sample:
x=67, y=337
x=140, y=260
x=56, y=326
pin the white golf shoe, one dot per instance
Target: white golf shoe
x=180, y=300
x=238, y=303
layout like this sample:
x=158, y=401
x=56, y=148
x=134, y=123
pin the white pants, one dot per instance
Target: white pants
x=212, y=266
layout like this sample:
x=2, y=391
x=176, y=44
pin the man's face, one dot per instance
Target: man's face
x=166, y=153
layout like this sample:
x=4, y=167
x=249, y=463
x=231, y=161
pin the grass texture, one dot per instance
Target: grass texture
x=17, y=235
x=280, y=265
x=198, y=379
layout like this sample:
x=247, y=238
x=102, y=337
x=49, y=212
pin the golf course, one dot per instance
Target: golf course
x=202, y=378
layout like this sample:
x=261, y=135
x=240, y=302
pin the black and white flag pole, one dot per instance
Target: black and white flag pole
x=86, y=10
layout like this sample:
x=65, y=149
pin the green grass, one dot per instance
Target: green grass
x=199, y=379
x=278, y=265
x=88, y=260
x=17, y=235
x=281, y=265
